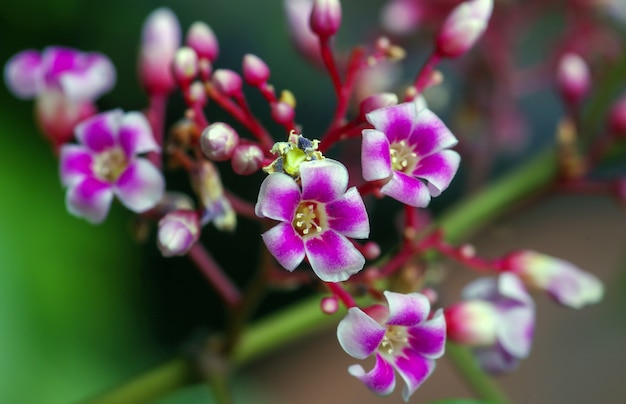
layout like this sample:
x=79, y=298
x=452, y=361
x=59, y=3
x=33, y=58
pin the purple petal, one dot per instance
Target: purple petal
x=348, y=216
x=23, y=74
x=141, y=186
x=323, y=180
x=92, y=76
x=481, y=289
x=414, y=370
x=511, y=287
x=407, y=309
x=430, y=134
x=75, y=164
x=573, y=287
x=381, y=379
x=359, y=334
x=278, y=198
x=375, y=155
x=89, y=198
x=135, y=135
x=438, y=169
x=99, y=132
x=333, y=257
x=285, y=245
x=515, y=331
x=407, y=190
x=429, y=338
x=495, y=359
x=57, y=60
x=396, y=122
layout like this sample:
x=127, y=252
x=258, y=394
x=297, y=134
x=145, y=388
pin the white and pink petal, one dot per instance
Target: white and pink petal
x=396, y=121
x=414, y=370
x=141, y=186
x=407, y=190
x=407, y=309
x=23, y=74
x=359, y=334
x=438, y=169
x=135, y=135
x=75, y=163
x=429, y=338
x=347, y=215
x=279, y=197
x=89, y=198
x=285, y=245
x=99, y=132
x=430, y=134
x=323, y=180
x=92, y=75
x=381, y=379
x=333, y=257
x=375, y=155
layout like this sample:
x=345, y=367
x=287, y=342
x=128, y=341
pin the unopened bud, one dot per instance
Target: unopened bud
x=377, y=101
x=218, y=141
x=617, y=117
x=463, y=27
x=160, y=40
x=227, y=81
x=371, y=250
x=195, y=94
x=201, y=38
x=573, y=78
x=255, y=71
x=247, y=159
x=178, y=232
x=282, y=112
x=185, y=65
x=325, y=17
x=329, y=305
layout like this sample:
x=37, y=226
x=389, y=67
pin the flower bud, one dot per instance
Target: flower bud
x=282, y=112
x=227, y=81
x=255, y=71
x=371, y=250
x=573, y=78
x=325, y=17
x=329, y=305
x=472, y=323
x=201, y=38
x=463, y=27
x=247, y=159
x=377, y=101
x=185, y=65
x=195, y=94
x=160, y=40
x=218, y=141
x=617, y=117
x=564, y=282
x=178, y=232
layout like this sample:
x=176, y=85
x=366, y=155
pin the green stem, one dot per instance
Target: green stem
x=480, y=383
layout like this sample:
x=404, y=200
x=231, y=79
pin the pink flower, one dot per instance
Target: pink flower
x=463, y=27
x=408, y=148
x=105, y=163
x=404, y=340
x=564, y=281
x=316, y=220
x=497, y=319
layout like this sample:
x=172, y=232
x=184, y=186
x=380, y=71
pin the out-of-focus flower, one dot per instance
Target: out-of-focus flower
x=403, y=17
x=105, y=164
x=315, y=221
x=402, y=337
x=207, y=183
x=160, y=40
x=564, y=282
x=325, y=17
x=573, y=77
x=463, y=27
x=202, y=39
x=178, y=232
x=65, y=83
x=306, y=42
x=409, y=149
x=497, y=319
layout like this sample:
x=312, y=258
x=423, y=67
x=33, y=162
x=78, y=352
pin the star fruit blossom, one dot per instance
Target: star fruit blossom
x=408, y=148
x=105, y=164
x=497, y=319
x=404, y=339
x=315, y=221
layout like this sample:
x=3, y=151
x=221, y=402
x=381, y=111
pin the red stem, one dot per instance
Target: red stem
x=227, y=290
x=156, y=117
x=341, y=294
x=331, y=66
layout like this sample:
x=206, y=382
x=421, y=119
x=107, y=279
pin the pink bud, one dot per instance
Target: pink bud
x=247, y=159
x=185, y=65
x=377, y=101
x=463, y=27
x=159, y=42
x=282, y=112
x=255, y=71
x=195, y=94
x=298, y=13
x=227, y=81
x=573, y=78
x=371, y=250
x=617, y=117
x=329, y=305
x=218, y=141
x=325, y=17
x=178, y=232
x=472, y=323
x=201, y=38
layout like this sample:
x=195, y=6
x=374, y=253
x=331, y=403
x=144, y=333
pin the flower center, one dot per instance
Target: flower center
x=310, y=219
x=110, y=164
x=394, y=341
x=403, y=158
